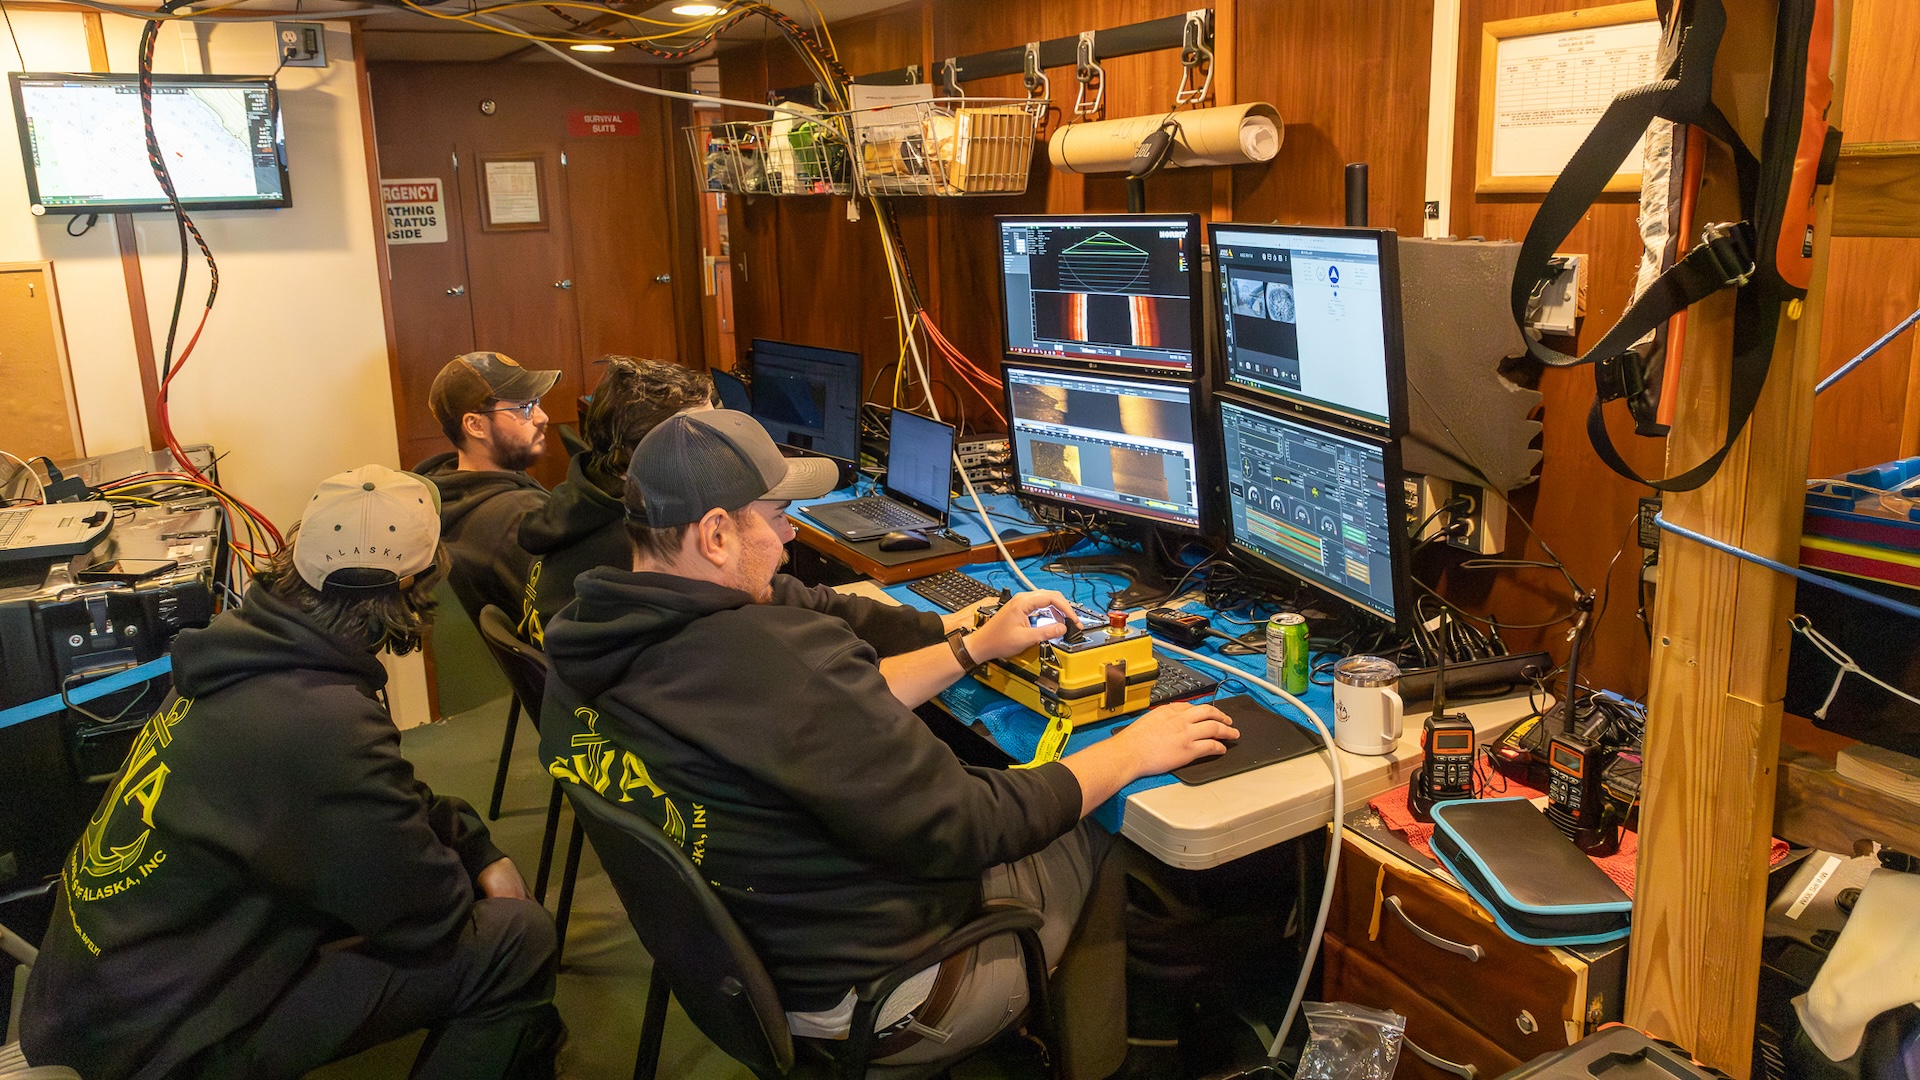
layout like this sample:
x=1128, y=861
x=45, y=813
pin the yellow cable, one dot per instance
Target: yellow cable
x=680, y=30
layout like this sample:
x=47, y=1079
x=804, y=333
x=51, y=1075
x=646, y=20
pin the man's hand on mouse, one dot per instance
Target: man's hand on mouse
x=1008, y=633
x=1175, y=735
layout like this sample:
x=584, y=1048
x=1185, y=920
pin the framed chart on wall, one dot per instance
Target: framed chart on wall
x=513, y=192
x=1544, y=83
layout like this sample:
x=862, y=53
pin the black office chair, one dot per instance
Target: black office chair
x=526, y=670
x=13, y=1064
x=701, y=957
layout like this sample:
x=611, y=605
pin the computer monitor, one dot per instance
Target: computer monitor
x=732, y=390
x=85, y=146
x=808, y=398
x=1315, y=501
x=1105, y=289
x=1105, y=442
x=1311, y=316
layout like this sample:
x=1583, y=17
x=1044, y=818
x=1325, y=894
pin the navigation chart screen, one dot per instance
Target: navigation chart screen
x=1311, y=502
x=1117, y=289
x=1122, y=445
x=85, y=147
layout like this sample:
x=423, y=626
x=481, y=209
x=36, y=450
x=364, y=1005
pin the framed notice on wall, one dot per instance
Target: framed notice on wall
x=1544, y=83
x=512, y=192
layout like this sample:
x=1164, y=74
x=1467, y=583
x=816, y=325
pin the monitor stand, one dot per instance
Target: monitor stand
x=1147, y=581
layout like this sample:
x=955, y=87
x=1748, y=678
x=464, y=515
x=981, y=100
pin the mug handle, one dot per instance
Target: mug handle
x=1395, y=714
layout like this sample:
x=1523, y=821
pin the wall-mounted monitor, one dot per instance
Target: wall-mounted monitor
x=807, y=397
x=1105, y=442
x=1316, y=501
x=1311, y=316
x=85, y=146
x=1119, y=289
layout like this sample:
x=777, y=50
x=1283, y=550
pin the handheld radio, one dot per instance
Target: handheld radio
x=1449, y=745
x=1576, y=798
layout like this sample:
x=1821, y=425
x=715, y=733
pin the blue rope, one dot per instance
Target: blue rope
x=1840, y=587
x=1870, y=350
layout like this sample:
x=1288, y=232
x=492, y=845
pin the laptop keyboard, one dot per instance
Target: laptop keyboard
x=884, y=511
x=10, y=522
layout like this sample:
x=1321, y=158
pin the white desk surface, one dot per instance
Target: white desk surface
x=1196, y=826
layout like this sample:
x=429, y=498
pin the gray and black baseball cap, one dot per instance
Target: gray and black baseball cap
x=470, y=380
x=717, y=459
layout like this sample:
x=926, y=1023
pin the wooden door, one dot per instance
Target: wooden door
x=623, y=256
x=33, y=367
x=432, y=297
x=522, y=280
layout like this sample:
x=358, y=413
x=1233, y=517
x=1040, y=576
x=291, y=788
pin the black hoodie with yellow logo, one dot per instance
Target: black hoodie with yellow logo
x=264, y=810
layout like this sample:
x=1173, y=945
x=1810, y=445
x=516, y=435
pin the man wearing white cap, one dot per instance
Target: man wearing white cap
x=781, y=749
x=266, y=887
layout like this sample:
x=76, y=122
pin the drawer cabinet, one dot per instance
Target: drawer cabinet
x=1419, y=936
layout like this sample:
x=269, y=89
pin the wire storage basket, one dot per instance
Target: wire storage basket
x=802, y=152
x=946, y=146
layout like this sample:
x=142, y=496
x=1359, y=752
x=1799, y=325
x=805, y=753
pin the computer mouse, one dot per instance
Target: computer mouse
x=904, y=541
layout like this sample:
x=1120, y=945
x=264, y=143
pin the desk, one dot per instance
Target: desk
x=891, y=568
x=1194, y=827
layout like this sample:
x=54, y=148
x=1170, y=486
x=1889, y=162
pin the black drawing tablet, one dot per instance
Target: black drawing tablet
x=1265, y=737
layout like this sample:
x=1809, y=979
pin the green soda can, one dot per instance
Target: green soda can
x=1287, y=652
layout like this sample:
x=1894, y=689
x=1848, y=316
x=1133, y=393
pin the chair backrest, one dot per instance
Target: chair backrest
x=524, y=666
x=708, y=962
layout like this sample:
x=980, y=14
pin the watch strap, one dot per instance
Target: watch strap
x=957, y=641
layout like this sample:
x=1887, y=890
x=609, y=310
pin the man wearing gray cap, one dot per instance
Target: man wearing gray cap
x=266, y=887
x=489, y=408
x=782, y=751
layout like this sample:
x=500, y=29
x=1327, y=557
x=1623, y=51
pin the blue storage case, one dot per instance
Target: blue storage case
x=1536, y=884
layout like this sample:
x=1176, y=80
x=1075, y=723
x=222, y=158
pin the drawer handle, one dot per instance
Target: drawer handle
x=1454, y=1067
x=1473, y=953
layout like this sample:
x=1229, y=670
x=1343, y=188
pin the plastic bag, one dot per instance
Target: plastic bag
x=1350, y=1042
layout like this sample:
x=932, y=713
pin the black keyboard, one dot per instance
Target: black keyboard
x=884, y=511
x=1177, y=681
x=953, y=589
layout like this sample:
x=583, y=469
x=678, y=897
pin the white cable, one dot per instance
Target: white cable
x=777, y=110
x=1333, y=840
x=35, y=477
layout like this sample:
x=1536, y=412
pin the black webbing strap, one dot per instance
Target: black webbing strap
x=1685, y=96
x=1755, y=322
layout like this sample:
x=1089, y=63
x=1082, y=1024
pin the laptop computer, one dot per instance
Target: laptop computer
x=915, y=493
x=53, y=532
x=733, y=391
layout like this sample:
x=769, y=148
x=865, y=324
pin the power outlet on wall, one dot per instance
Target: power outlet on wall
x=1479, y=515
x=301, y=44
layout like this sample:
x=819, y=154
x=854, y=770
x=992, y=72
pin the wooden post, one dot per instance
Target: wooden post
x=1720, y=632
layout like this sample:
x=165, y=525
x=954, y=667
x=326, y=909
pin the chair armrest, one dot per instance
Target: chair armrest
x=12, y=944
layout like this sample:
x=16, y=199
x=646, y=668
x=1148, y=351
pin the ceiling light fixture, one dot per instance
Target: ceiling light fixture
x=589, y=46
x=700, y=11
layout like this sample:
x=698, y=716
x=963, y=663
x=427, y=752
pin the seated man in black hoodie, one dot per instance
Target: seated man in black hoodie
x=266, y=887
x=489, y=407
x=584, y=524
x=781, y=750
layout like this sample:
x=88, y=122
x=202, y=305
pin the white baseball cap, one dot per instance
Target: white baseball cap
x=368, y=528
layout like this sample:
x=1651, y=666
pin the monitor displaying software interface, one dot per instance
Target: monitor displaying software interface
x=1311, y=501
x=1306, y=314
x=808, y=398
x=1118, y=289
x=1114, y=444
x=85, y=146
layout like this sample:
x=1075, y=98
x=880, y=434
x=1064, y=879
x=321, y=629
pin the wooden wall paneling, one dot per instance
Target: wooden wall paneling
x=1350, y=82
x=1873, y=415
x=1579, y=505
x=685, y=245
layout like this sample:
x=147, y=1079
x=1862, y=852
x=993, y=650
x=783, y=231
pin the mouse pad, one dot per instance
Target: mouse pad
x=1265, y=737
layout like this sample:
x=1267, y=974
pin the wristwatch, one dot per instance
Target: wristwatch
x=957, y=641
